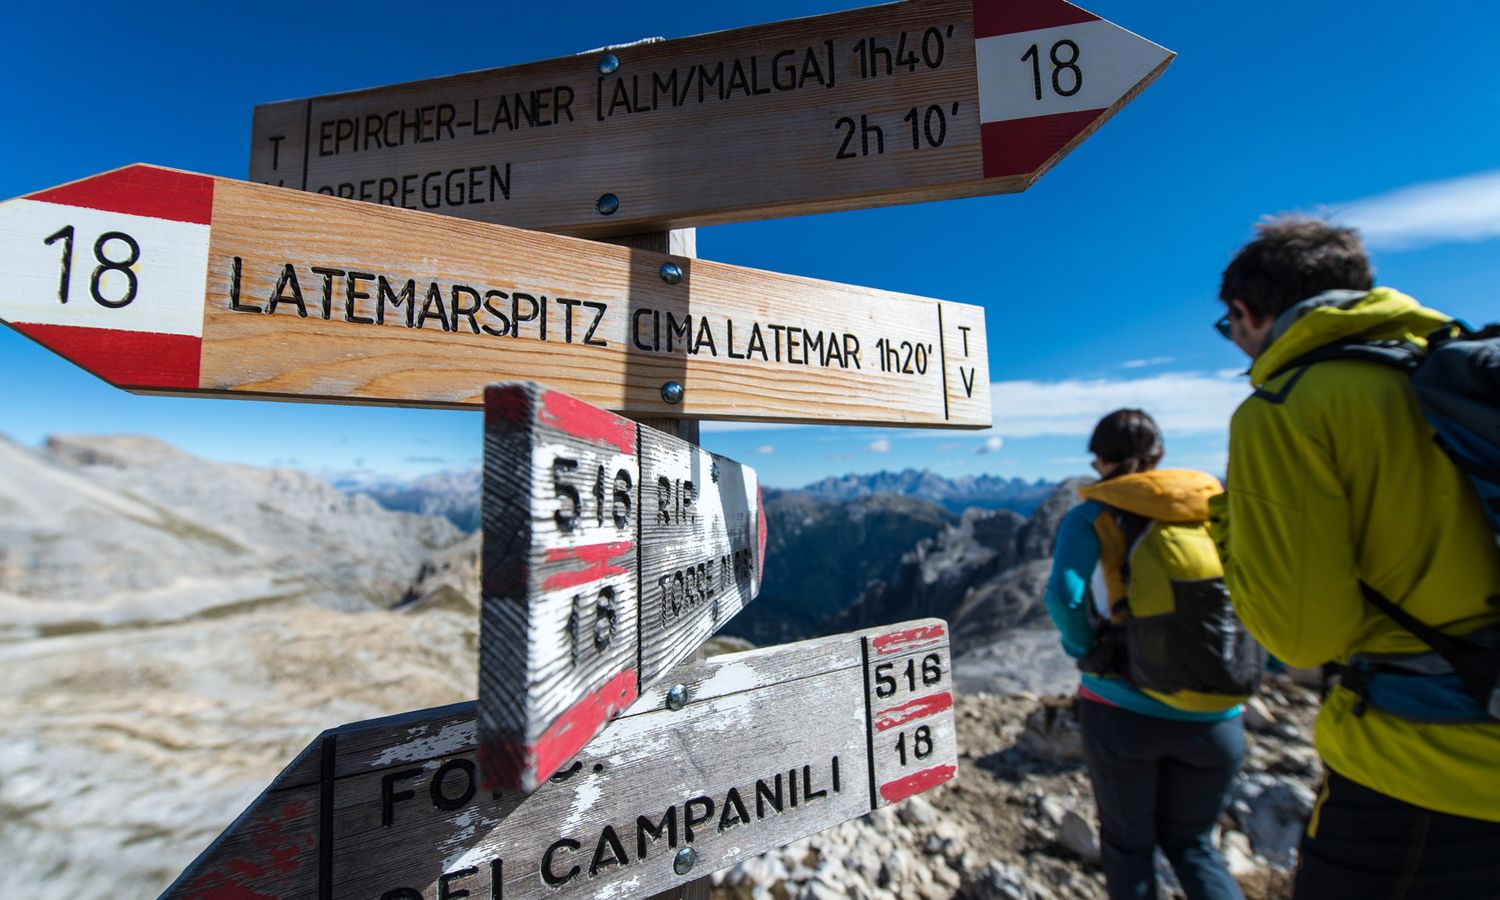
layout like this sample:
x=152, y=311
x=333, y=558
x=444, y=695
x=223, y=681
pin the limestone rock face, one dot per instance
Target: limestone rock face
x=102, y=531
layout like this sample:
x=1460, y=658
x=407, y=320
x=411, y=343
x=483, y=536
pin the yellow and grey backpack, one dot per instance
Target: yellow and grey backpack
x=1166, y=622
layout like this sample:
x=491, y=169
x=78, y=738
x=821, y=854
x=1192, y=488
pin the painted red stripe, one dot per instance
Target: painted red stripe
x=910, y=639
x=760, y=516
x=996, y=17
x=504, y=765
x=127, y=359
x=919, y=708
x=507, y=404
x=588, y=422
x=596, y=560
x=916, y=783
x=140, y=191
x=1022, y=146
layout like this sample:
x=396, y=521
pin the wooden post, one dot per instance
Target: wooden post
x=678, y=242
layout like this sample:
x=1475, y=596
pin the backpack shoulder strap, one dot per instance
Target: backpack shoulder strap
x=1402, y=355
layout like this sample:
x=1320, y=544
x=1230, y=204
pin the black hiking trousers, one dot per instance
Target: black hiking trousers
x=1160, y=783
x=1363, y=844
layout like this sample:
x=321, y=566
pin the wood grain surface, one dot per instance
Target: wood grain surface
x=771, y=745
x=255, y=291
x=611, y=552
x=899, y=103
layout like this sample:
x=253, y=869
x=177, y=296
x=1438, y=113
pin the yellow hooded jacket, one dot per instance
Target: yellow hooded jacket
x=1334, y=478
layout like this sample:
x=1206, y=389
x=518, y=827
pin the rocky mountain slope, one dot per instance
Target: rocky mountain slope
x=986, y=573
x=104, y=531
x=173, y=631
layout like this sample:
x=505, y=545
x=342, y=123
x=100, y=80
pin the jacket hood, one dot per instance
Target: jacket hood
x=1165, y=495
x=1379, y=315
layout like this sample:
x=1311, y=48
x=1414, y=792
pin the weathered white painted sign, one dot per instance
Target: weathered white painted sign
x=168, y=282
x=897, y=103
x=766, y=747
x=611, y=552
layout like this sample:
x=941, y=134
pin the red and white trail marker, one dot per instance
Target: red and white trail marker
x=730, y=757
x=611, y=552
x=161, y=281
x=899, y=103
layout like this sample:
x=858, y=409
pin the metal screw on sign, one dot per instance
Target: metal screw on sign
x=672, y=392
x=671, y=273
x=608, y=64
x=677, y=697
x=684, y=861
x=606, y=204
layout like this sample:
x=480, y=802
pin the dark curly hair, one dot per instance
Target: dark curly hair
x=1293, y=258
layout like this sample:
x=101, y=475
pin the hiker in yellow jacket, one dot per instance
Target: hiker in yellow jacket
x=1336, y=486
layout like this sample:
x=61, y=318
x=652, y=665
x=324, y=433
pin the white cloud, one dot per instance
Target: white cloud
x=992, y=444
x=1182, y=402
x=1143, y=363
x=880, y=445
x=1458, y=209
x=765, y=449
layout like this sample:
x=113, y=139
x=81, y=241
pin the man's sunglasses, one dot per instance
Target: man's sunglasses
x=1223, y=328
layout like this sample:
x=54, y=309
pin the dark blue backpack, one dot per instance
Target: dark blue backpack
x=1457, y=381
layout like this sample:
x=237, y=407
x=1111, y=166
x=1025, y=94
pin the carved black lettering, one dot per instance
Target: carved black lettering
x=235, y=265
x=516, y=299
x=807, y=786
x=446, y=890
x=635, y=329
x=776, y=333
x=548, y=875
x=352, y=295
x=407, y=297
x=682, y=329
x=434, y=302
x=968, y=378
x=441, y=798
x=568, y=305
x=463, y=310
x=812, y=346
x=489, y=298
x=689, y=820
x=389, y=796
x=288, y=281
x=764, y=796
x=729, y=342
x=598, y=309
x=851, y=349
x=757, y=343
x=644, y=828
x=500, y=181
x=610, y=841
x=328, y=276
x=733, y=804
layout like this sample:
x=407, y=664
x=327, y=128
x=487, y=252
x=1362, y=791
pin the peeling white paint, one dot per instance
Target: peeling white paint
x=455, y=737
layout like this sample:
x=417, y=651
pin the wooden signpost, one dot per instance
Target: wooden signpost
x=611, y=552
x=162, y=281
x=905, y=102
x=766, y=747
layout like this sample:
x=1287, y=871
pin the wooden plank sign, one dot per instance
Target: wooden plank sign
x=611, y=552
x=162, y=281
x=769, y=746
x=905, y=102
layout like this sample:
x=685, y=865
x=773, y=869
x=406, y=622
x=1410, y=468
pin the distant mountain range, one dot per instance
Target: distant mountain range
x=454, y=493
x=953, y=494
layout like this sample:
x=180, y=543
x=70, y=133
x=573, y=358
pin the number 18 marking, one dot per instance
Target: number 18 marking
x=132, y=281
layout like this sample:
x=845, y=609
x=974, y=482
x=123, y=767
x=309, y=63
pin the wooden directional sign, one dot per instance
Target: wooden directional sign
x=906, y=102
x=611, y=552
x=771, y=745
x=164, y=281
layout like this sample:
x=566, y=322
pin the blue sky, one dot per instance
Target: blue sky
x=1099, y=282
